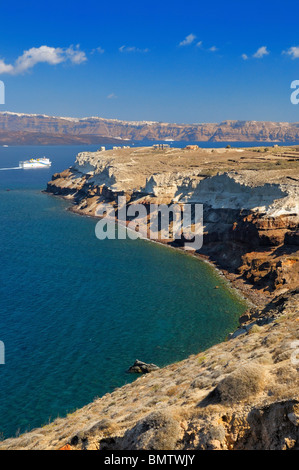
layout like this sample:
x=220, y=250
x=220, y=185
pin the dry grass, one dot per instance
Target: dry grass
x=157, y=431
x=242, y=384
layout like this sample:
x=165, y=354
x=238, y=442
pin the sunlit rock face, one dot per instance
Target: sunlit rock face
x=250, y=215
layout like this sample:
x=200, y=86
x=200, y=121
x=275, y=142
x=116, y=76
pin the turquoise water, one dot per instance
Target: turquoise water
x=75, y=312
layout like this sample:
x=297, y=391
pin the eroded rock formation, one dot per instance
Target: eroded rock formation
x=250, y=204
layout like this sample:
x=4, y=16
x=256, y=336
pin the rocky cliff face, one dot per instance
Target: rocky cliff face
x=245, y=131
x=250, y=215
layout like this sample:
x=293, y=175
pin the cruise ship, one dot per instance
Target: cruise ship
x=36, y=163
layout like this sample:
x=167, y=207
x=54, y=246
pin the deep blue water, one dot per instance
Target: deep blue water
x=75, y=312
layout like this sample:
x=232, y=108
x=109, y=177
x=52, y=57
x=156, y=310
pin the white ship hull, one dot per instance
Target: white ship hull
x=39, y=163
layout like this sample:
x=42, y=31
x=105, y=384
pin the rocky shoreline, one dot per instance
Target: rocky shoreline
x=240, y=394
x=250, y=204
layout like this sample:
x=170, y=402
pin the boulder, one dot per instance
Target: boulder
x=140, y=367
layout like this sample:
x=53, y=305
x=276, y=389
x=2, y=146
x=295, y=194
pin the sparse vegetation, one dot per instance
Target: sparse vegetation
x=157, y=431
x=241, y=384
x=255, y=329
x=201, y=359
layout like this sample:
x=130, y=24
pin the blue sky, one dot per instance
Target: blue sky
x=168, y=61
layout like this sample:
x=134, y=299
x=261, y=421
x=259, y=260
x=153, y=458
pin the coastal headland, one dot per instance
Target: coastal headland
x=249, y=196
x=240, y=394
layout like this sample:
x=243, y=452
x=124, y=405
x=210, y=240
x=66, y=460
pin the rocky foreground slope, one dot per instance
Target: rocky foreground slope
x=85, y=128
x=243, y=393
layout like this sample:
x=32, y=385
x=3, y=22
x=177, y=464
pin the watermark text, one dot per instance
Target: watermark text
x=2, y=353
x=295, y=94
x=159, y=222
x=2, y=92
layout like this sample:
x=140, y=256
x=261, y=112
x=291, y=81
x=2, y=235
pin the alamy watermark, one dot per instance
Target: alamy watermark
x=2, y=353
x=2, y=92
x=295, y=94
x=159, y=222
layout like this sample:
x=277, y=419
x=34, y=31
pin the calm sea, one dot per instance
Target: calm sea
x=75, y=312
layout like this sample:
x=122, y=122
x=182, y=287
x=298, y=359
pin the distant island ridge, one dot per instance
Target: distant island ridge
x=40, y=129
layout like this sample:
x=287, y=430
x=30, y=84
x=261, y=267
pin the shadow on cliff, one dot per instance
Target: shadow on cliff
x=224, y=192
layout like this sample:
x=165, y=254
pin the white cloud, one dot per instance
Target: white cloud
x=261, y=52
x=293, y=52
x=132, y=49
x=111, y=96
x=5, y=68
x=100, y=50
x=188, y=40
x=75, y=55
x=199, y=44
x=35, y=55
x=244, y=56
x=43, y=54
x=213, y=49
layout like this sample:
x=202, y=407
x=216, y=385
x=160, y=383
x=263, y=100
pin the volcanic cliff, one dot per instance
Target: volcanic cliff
x=17, y=127
x=250, y=200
